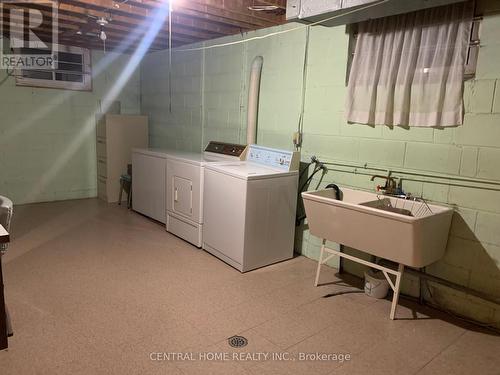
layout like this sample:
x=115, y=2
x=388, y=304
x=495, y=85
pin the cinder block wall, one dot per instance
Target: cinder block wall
x=175, y=112
x=472, y=150
x=47, y=136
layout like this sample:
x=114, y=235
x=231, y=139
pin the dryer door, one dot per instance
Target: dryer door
x=184, y=189
x=183, y=196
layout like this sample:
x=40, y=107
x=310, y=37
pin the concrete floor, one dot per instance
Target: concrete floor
x=95, y=289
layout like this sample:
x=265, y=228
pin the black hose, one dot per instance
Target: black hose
x=318, y=168
x=337, y=190
x=305, y=170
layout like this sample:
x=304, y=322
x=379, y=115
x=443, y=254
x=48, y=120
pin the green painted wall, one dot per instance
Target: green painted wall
x=209, y=102
x=178, y=127
x=47, y=136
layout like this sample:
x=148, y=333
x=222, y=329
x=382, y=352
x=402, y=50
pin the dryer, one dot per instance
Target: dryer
x=184, y=187
x=250, y=206
x=168, y=185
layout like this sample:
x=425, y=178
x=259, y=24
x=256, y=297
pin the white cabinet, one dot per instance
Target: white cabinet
x=148, y=186
x=116, y=135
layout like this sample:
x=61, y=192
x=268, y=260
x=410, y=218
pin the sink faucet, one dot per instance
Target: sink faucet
x=390, y=186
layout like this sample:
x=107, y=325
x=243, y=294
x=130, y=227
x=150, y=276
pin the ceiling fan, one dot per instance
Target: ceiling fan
x=87, y=29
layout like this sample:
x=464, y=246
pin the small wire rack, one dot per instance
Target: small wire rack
x=409, y=206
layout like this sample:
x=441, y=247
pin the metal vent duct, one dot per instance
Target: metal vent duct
x=352, y=11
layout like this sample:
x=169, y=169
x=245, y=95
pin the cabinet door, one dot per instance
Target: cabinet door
x=101, y=148
x=183, y=196
x=101, y=126
x=148, y=186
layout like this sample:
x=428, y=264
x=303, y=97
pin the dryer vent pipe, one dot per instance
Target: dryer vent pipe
x=253, y=99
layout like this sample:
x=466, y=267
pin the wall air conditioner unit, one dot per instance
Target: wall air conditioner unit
x=352, y=11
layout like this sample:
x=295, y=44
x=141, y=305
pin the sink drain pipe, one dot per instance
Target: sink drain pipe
x=452, y=285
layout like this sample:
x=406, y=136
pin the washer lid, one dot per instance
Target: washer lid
x=249, y=171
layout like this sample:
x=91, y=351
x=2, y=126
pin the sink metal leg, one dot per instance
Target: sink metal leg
x=396, y=287
x=320, y=262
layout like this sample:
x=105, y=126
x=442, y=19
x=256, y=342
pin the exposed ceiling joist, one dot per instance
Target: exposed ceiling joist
x=192, y=20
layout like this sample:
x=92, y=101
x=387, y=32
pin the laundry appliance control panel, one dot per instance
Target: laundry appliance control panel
x=280, y=159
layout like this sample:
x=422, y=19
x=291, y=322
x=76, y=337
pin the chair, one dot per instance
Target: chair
x=6, y=210
x=126, y=184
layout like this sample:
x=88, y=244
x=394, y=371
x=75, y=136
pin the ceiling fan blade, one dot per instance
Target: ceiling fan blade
x=68, y=33
x=82, y=30
x=88, y=27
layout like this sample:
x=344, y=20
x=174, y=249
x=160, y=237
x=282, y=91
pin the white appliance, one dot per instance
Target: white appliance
x=249, y=208
x=148, y=182
x=184, y=187
x=342, y=12
x=167, y=185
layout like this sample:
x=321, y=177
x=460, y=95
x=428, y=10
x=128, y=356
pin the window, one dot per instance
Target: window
x=73, y=71
x=408, y=70
x=472, y=53
x=352, y=31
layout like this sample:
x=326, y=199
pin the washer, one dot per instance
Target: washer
x=184, y=187
x=249, y=208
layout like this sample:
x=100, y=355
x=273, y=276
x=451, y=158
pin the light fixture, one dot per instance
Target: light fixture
x=102, y=21
x=263, y=8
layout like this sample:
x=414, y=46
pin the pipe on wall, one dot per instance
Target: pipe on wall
x=253, y=99
x=438, y=280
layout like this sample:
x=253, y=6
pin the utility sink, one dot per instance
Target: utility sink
x=412, y=233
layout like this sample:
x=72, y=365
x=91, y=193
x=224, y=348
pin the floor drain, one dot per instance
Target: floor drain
x=237, y=341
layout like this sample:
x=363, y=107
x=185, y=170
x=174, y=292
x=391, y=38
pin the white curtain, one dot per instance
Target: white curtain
x=408, y=69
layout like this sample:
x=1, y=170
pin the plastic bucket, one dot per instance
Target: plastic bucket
x=376, y=285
